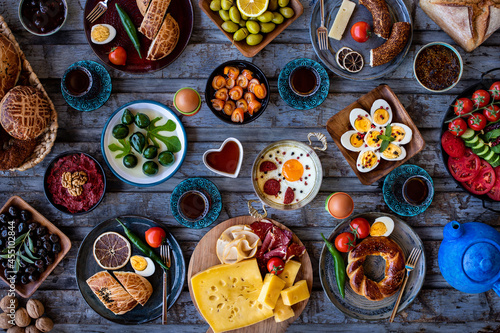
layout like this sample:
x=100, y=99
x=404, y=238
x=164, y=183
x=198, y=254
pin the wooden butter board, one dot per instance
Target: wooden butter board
x=339, y=124
x=204, y=256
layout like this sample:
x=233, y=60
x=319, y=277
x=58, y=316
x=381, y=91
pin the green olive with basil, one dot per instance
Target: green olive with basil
x=287, y=12
x=267, y=27
x=150, y=168
x=138, y=141
x=150, y=152
x=166, y=158
x=230, y=26
x=224, y=15
x=142, y=120
x=273, y=5
x=240, y=34
x=127, y=117
x=278, y=18
x=130, y=161
x=234, y=14
x=253, y=27
x=266, y=17
x=254, y=39
x=226, y=4
x=120, y=131
x=283, y=3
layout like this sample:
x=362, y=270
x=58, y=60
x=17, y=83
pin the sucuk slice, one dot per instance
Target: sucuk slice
x=272, y=187
x=267, y=166
x=289, y=196
x=353, y=62
x=340, y=55
x=483, y=182
x=112, y=250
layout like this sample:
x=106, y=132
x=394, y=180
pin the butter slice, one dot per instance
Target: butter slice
x=342, y=19
x=296, y=293
x=271, y=290
x=227, y=295
x=282, y=312
x=290, y=272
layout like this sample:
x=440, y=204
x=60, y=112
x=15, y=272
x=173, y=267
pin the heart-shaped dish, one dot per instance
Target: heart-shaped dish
x=222, y=160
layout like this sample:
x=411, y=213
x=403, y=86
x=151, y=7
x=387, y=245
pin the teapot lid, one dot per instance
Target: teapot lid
x=481, y=261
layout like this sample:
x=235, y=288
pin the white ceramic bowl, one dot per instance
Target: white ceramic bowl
x=233, y=175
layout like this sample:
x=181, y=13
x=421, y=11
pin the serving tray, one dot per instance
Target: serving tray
x=204, y=256
x=339, y=124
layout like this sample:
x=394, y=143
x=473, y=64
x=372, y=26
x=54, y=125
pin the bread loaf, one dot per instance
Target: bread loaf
x=10, y=65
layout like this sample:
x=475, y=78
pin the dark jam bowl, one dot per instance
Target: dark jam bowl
x=43, y=17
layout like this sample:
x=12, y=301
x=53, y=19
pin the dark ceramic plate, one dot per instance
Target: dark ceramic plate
x=210, y=91
x=48, y=195
x=181, y=11
x=357, y=306
x=86, y=266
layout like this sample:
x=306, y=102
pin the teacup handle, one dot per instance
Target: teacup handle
x=254, y=213
x=321, y=137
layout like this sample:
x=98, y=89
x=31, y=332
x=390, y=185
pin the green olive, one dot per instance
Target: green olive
x=252, y=19
x=287, y=12
x=240, y=34
x=142, y=120
x=130, y=161
x=266, y=17
x=127, y=117
x=253, y=27
x=244, y=17
x=150, y=168
x=234, y=14
x=278, y=18
x=273, y=5
x=254, y=39
x=242, y=23
x=215, y=5
x=283, y=3
x=230, y=26
x=226, y=4
x=267, y=27
x=166, y=158
x=120, y=131
x=224, y=15
x=150, y=152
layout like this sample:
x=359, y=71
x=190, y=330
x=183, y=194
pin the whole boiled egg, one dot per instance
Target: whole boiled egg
x=143, y=266
x=381, y=113
x=352, y=140
x=401, y=133
x=360, y=120
x=383, y=226
x=393, y=153
x=368, y=159
x=187, y=100
x=102, y=34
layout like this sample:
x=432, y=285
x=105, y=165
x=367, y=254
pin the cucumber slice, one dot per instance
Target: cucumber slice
x=468, y=134
x=472, y=142
x=479, y=144
x=484, y=152
x=495, y=159
x=495, y=164
x=490, y=156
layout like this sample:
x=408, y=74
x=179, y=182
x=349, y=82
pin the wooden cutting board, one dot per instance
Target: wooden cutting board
x=204, y=256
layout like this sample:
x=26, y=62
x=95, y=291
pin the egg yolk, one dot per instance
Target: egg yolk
x=398, y=133
x=378, y=229
x=356, y=140
x=100, y=33
x=380, y=116
x=292, y=170
x=362, y=124
x=138, y=263
x=368, y=159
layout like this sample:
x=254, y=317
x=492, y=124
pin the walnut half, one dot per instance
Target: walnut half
x=74, y=181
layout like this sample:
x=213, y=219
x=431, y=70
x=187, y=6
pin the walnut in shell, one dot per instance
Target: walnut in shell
x=32, y=329
x=8, y=303
x=44, y=324
x=4, y=321
x=35, y=308
x=16, y=329
x=22, y=317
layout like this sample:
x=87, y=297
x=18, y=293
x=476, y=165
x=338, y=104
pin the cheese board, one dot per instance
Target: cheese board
x=204, y=256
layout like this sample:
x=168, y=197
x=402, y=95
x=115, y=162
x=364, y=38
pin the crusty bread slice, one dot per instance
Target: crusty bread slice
x=165, y=40
x=137, y=286
x=143, y=6
x=153, y=18
x=111, y=293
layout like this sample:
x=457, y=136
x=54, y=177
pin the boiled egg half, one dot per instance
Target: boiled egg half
x=393, y=153
x=360, y=120
x=368, y=159
x=401, y=133
x=381, y=113
x=352, y=140
x=143, y=266
x=102, y=33
x=383, y=226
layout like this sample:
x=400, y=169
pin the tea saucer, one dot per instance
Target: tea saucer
x=393, y=186
x=202, y=185
x=296, y=101
x=86, y=103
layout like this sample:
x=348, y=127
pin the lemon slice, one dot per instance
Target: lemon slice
x=252, y=8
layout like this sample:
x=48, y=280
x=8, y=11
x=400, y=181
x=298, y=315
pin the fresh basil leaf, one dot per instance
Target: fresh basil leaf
x=384, y=145
x=29, y=253
x=26, y=259
x=386, y=138
x=388, y=130
x=496, y=149
x=492, y=134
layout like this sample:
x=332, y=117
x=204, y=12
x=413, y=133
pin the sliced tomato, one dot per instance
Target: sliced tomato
x=494, y=193
x=452, y=145
x=484, y=181
x=464, y=168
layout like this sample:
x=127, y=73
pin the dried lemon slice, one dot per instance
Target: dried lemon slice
x=112, y=250
x=353, y=62
x=340, y=55
x=252, y=8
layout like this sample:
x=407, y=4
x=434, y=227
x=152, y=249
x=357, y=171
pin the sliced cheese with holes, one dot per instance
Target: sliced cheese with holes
x=290, y=272
x=282, y=312
x=297, y=293
x=342, y=19
x=226, y=295
x=271, y=290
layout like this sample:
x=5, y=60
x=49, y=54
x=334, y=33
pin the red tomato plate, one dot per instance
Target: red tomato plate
x=464, y=168
x=484, y=181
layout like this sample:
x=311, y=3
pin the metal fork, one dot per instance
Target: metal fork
x=165, y=256
x=98, y=10
x=410, y=265
x=322, y=31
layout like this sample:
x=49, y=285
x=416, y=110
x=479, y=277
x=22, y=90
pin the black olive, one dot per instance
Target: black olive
x=56, y=248
x=54, y=238
x=25, y=215
x=22, y=228
x=5, y=264
x=47, y=246
x=6, y=272
x=22, y=264
x=49, y=260
x=5, y=217
x=34, y=276
x=2, y=242
x=40, y=231
x=4, y=233
x=41, y=252
x=45, y=238
x=25, y=279
x=41, y=269
x=30, y=269
x=35, y=249
x=16, y=221
x=38, y=243
x=33, y=225
x=39, y=263
x=4, y=227
x=13, y=211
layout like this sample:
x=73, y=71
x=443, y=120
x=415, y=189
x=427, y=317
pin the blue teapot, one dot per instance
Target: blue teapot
x=469, y=257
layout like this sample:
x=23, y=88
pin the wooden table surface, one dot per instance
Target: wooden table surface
x=438, y=308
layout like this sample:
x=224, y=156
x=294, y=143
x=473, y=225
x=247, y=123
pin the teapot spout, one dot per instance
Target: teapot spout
x=453, y=230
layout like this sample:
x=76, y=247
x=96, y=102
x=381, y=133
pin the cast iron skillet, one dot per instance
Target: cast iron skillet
x=486, y=80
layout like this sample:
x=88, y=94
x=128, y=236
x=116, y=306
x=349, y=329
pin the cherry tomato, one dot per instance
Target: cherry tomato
x=477, y=121
x=345, y=242
x=492, y=112
x=480, y=98
x=360, y=227
x=457, y=126
x=155, y=236
x=462, y=106
x=495, y=91
x=360, y=32
x=118, y=56
x=275, y=265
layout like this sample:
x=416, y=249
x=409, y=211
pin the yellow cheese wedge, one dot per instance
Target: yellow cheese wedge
x=290, y=272
x=297, y=293
x=227, y=295
x=271, y=290
x=282, y=312
x=342, y=19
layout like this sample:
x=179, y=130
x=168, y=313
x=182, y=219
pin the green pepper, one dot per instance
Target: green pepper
x=340, y=274
x=142, y=246
x=129, y=28
x=127, y=117
x=138, y=141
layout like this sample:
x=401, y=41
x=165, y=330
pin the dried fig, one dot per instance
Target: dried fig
x=9, y=302
x=22, y=317
x=4, y=321
x=44, y=324
x=35, y=308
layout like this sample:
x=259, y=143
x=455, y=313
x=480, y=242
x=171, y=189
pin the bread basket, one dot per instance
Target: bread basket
x=29, y=78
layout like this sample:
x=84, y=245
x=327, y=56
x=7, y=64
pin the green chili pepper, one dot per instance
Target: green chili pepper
x=340, y=274
x=142, y=246
x=129, y=28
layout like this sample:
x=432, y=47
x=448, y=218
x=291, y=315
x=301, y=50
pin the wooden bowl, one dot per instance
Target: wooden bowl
x=339, y=124
x=245, y=49
x=26, y=291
